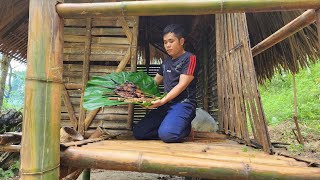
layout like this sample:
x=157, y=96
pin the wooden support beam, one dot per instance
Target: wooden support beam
x=10, y=148
x=40, y=149
x=85, y=74
x=177, y=7
x=291, y=28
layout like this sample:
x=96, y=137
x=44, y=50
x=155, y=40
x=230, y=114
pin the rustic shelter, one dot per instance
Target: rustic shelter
x=70, y=41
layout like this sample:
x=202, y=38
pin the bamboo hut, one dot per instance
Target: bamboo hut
x=238, y=44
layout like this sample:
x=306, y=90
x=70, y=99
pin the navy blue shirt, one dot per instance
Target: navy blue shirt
x=172, y=69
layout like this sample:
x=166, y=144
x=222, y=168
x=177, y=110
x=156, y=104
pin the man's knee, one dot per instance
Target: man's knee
x=137, y=133
x=168, y=136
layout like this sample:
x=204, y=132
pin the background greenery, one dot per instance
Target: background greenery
x=277, y=97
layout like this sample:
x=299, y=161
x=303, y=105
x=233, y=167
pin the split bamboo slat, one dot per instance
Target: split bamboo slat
x=239, y=99
x=41, y=128
x=112, y=41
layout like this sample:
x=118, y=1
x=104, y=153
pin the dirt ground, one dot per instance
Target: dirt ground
x=125, y=175
x=283, y=133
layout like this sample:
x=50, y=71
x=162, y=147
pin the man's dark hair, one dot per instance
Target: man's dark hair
x=177, y=29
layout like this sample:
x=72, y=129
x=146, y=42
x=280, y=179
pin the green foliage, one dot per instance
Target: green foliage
x=296, y=148
x=15, y=99
x=100, y=88
x=277, y=96
x=11, y=172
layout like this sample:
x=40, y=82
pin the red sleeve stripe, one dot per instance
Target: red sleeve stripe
x=192, y=65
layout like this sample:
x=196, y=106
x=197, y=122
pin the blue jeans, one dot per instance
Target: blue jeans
x=170, y=123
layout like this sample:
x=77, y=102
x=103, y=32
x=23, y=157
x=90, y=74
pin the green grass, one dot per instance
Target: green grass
x=277, y=97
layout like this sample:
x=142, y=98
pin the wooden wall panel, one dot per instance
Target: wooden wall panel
x=109, y=45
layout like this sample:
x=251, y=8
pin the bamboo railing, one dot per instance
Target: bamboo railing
x=41, y=125
x=179, y=7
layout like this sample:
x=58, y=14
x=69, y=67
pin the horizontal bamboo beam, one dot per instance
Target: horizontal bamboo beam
x=291, y=28
x=10, y=148
x=179, y=165
x=179, y=7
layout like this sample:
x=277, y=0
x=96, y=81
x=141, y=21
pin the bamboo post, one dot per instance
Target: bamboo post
x=291, y=28
x=85, y=74
x=40, y=153
x=295, y=110
x=178, y=7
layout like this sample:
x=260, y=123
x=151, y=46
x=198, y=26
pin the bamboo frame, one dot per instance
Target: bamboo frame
x=165, y=163
x=42, y=105
x=178, y=7
x=291, y=28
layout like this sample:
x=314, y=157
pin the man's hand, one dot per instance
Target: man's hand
x=156, y=104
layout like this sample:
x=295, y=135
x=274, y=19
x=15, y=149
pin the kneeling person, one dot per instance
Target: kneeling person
x=171, y=120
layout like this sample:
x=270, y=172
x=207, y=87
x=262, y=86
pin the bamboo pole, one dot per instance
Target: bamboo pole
x=41, y=125
x=67, y=103
x=178, y=165
x=85, y=74
x=295, y=109
x=179, y=7
x=318, y=27
x=305, y=19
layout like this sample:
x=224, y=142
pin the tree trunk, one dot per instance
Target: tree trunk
x=5, y=63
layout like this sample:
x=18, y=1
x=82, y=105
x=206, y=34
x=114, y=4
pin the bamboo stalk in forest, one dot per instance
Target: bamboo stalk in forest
x=40, y=150
x=178, y=7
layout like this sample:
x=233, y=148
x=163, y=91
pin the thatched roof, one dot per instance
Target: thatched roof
x=294, y=52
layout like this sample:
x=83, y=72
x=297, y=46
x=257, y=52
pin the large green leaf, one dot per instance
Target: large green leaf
x=100, y=88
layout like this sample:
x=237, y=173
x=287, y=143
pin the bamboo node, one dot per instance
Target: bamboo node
x=22, y=172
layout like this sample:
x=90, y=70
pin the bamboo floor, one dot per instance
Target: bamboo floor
x=203, y=158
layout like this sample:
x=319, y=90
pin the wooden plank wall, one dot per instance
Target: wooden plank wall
x=111, y=40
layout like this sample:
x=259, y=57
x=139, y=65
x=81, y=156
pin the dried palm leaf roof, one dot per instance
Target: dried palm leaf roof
x=297, y=51
x=291, y=54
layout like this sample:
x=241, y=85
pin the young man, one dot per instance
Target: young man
x=171, y=121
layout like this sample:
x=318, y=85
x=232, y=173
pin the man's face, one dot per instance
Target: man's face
x=173, y=45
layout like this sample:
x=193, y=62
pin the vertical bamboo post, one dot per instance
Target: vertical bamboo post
x=295, y=109
x=133, y=66
x=85, y=75
x=40, y=150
